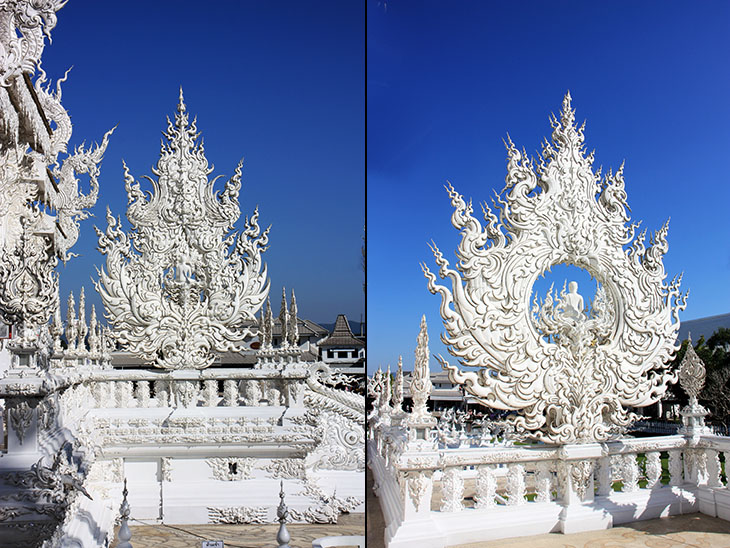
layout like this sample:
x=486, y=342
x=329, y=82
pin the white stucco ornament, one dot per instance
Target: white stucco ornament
x=41, y=199
x=569, y=373
x=181, y=286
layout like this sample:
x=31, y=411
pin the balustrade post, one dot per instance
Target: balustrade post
x=452, y=490
x=543, y=480
x=630, y=473
x=230, y=394
x=416, y=491
x=516, y=485
x=605, y=478
x=123, y=394
x=143, y=393
x=675, y=467
x=713, y=468
x=653, y=470
x=486, y=487
x=162, y=393
x=210, y=392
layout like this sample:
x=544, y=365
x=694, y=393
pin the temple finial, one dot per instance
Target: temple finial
x=181, y=102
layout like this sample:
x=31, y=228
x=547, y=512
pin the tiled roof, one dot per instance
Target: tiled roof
x=341, y=335
x=307, y=328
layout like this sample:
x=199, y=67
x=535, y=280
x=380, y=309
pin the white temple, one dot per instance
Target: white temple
x=566, y=375
x=195, y=441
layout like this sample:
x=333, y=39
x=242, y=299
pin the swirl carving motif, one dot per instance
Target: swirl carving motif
x=556, y=210
x=181, y=287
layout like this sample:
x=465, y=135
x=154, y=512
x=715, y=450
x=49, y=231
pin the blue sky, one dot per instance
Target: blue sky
x=278, y=83
x=447, y=81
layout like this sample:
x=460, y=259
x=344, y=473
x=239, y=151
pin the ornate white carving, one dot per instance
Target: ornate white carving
x=20, y=417
x=241, y=514
x=420, y=417
x=231, y=468
x=286, y=468
x=653, y=469
x=166, y=469
x=675, y=467
x=327, y=509
x=692, y=374
x=559, y=212
x=543, y=482
x=452, y=490
x=25, y=24
x=713, y=468
x=398, y=388
x=516, y=487
x=418, y=484
x=173, y=292
x=111, y=471
x=630, y=473
x=486, y=487
x=34, y=132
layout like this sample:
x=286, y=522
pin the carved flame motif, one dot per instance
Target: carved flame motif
x=37, y=176
x=23, y=26
x=558, y=211
x=174, y=290
x=692, y=374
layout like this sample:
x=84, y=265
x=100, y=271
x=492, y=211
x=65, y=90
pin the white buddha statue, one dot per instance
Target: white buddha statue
x=573, y=302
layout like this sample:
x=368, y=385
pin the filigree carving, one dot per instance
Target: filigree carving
x=418, y=484
x=516, y=487
x=231, y=468
x=486, y=487
x=342, y=445
x=558, y=211
x=420, y=418
x=286, y=468
x=20, y=417
x=241, y=514
x=653, y=469
x=34, y=132
x=398, y=388
x=173, y=291
x=543, y=482
x=452, y=490
x=327, y=509
x=692, y=374
x=25, y=24
x=166, y=468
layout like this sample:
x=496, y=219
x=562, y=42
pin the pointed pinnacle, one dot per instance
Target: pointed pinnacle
x=181, y=103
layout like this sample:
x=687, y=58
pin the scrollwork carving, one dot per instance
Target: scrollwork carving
x=190, y=297
x=558, y=211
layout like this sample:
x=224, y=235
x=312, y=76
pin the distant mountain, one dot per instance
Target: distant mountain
x=702, y=327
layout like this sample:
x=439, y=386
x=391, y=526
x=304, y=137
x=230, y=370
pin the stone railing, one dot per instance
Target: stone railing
x=425, y=490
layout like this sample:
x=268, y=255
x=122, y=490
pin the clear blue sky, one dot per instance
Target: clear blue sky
x=278, y=83
x=446, y=81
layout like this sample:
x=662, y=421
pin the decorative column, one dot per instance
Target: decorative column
x=398, y=414
x=416, y=491
x=692, y=379
x=420, y=422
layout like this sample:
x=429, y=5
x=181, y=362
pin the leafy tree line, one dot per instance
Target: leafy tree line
x=715, y=395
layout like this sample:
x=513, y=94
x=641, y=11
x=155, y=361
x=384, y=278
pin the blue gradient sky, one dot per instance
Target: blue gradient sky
x=279, y=83
x=447, y=81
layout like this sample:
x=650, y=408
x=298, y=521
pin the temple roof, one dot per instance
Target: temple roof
x=341, y=335
x=306, y=328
